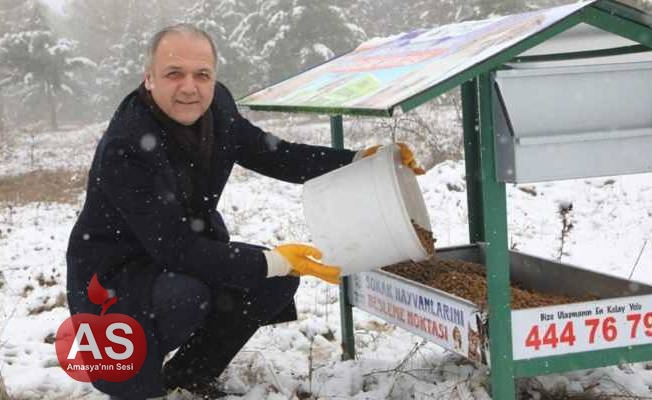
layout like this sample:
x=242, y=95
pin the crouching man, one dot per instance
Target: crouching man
x=150, y=230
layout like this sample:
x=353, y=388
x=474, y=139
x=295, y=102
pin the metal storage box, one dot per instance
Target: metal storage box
x=571, y=121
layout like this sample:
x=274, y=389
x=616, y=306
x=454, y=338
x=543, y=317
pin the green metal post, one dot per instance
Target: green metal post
x=494, y=212
x=346, y=310
x=472, y=159
x=337, y=132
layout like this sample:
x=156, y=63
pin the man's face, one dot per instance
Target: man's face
x=181, y=77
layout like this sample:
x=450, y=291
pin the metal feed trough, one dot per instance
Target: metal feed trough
x=460, y=325
x=552, y=94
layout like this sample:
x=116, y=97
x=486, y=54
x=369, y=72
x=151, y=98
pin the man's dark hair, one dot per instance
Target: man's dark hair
x=179, y=28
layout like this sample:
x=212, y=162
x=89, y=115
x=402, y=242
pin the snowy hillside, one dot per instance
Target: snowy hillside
x=612, y=229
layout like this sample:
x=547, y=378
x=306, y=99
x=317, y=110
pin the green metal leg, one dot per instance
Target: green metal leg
x=472, y=160
x=346, y=318
x=494, y=211
x=337, y=132
x=346, y=310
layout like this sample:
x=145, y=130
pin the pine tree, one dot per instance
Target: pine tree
x=293, y=35
x=115, y=34
x=222, y=19
x=37, y=66
x=100, y=24
x=376, y=20
x=9, y=16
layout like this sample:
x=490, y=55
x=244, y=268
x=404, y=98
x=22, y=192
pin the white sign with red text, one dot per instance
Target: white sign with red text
x=578, y=327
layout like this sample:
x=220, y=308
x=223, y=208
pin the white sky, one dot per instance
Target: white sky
x=56, y=5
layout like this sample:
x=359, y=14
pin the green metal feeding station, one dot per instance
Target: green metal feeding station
x=553, y=94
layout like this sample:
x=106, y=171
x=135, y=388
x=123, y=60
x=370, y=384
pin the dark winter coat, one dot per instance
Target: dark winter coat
x=138, y=220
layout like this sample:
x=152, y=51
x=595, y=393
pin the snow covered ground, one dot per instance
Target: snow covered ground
x=612, y=229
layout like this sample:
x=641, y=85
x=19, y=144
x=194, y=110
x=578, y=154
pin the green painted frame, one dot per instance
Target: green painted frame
x=486, y=198
x=346, y=310
x=333, y=111
x=583, y=54
x=584, y=360
x=494, y=225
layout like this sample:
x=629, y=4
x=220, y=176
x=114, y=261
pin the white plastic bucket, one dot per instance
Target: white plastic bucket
x=360, y=216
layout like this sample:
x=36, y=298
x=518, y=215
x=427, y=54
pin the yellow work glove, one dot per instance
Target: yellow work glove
x=304, y=260
x=407, y=157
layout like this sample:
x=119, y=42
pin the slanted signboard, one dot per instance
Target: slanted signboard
x=381, y=73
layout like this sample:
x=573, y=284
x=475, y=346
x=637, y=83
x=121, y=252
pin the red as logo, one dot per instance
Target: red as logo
x=109, y=347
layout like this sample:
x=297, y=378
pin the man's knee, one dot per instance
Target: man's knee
x=179, y=290
x=180, y=304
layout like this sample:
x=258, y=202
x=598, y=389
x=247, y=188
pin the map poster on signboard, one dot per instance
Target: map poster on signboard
x=381, y=73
